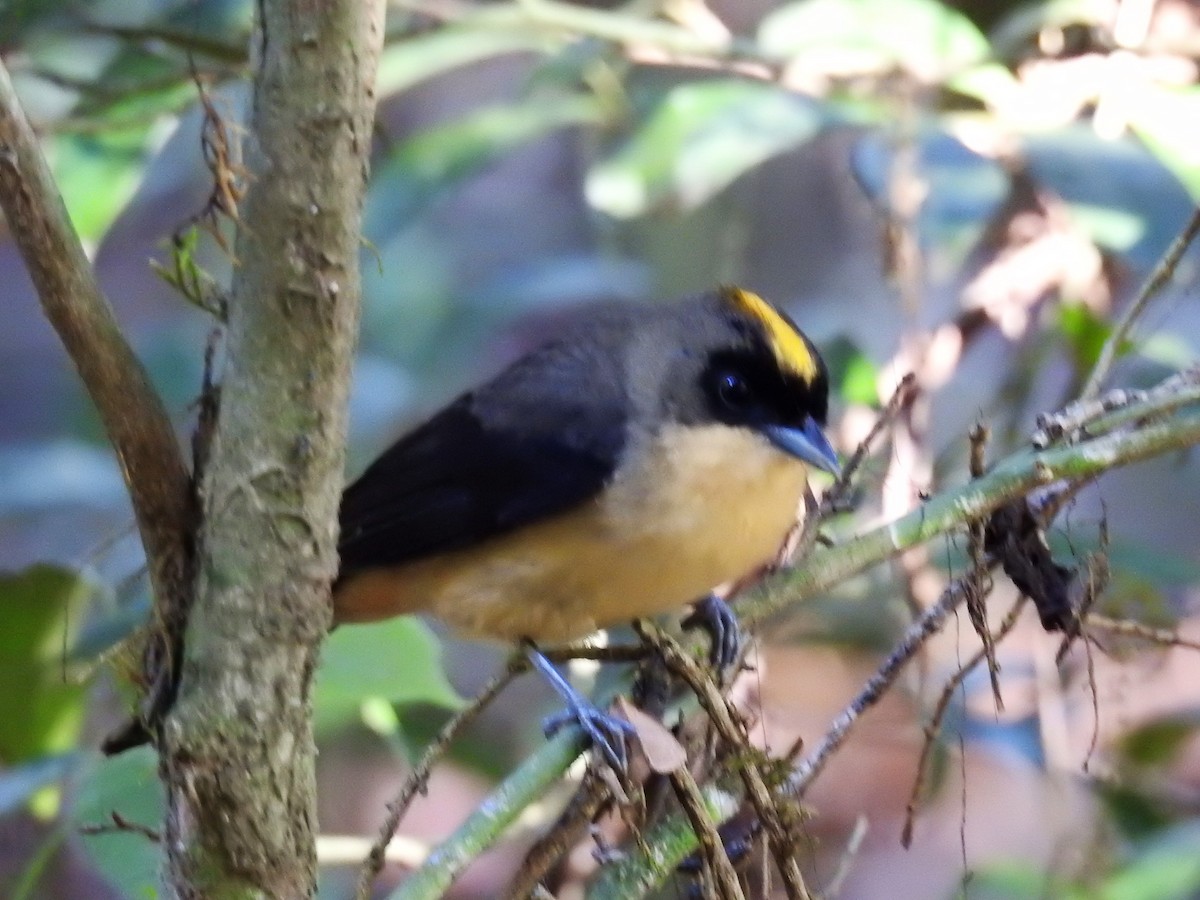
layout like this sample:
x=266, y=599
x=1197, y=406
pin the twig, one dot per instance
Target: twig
x=419, y=777
x=914, y=638
x=977, y=595
x=720, y=712
x=712, y=848
x=1159, y=278
x=1163, y=637
x=853, y=845
x=934, y=725
x=492, y=817
x=119, y=823
x=1098, y=575
x=660, y=851
x=1012, y=477
x=900, y=396
x=581, y=811
x=834, y=498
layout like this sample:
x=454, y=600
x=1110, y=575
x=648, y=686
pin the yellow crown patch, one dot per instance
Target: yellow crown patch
x=789, y=348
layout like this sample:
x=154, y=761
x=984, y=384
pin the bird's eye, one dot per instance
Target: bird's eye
x=733, y=391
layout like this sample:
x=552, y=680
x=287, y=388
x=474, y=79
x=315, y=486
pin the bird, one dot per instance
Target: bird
x=624, y=470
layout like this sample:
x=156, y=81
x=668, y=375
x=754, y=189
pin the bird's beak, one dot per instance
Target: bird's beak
x=807, y=442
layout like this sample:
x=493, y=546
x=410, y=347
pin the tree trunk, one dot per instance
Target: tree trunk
x=238, y=754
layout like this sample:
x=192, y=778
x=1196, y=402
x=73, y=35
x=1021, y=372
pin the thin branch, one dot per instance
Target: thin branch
x=659, y=852
x=1011, y=478
x=492, y=817
x=119, y=823
x=934, y=726
x=1163, y=637
x=914, y=638
x=725, y=880
x=134, y=418
x=565, y=833
x=1159, y=279
x=721, y=713
x=977, y=596
x=418, y=779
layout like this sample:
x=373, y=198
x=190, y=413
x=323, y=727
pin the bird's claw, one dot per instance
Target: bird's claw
x=714, y=616
x=608, y=735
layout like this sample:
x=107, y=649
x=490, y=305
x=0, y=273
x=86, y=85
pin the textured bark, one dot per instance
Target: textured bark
x=238, y=752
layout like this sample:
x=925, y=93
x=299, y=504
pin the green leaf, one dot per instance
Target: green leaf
x=1168, y=122
x=926, y=38
x=1016, y=881
x=1158, y=742
x=853, y=372
x=398, y=660
x=1169, y=870
x=128, y=785
x=39, y=712
x=698, y=139
x=1131, y=811
x=97, y=174
x=423, y=168
x=1084, y=333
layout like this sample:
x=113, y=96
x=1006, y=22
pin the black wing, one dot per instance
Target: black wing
x=526, y=446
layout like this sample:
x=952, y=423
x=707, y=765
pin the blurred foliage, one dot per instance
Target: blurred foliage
x=398, y=661
x=641, y=133
x=41, y=710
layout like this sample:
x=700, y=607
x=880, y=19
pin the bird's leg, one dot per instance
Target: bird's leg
x=608, y=735
x=714, y=616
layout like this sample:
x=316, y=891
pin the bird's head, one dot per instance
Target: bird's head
x=744, y=364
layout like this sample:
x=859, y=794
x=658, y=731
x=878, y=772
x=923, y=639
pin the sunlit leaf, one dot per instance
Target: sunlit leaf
x=1113, y=229
x=1017, y=881
x=852, y=371
x=1084, y=332
x=39, y=712
x=398, y=660
x=1168, y=121
x=697, y=140
x=924, y=37
x=991, y=83
x=1167, y=348
x=97, y=174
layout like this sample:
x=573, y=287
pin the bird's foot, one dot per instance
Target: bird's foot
x=714, y=616
x=608, y=735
